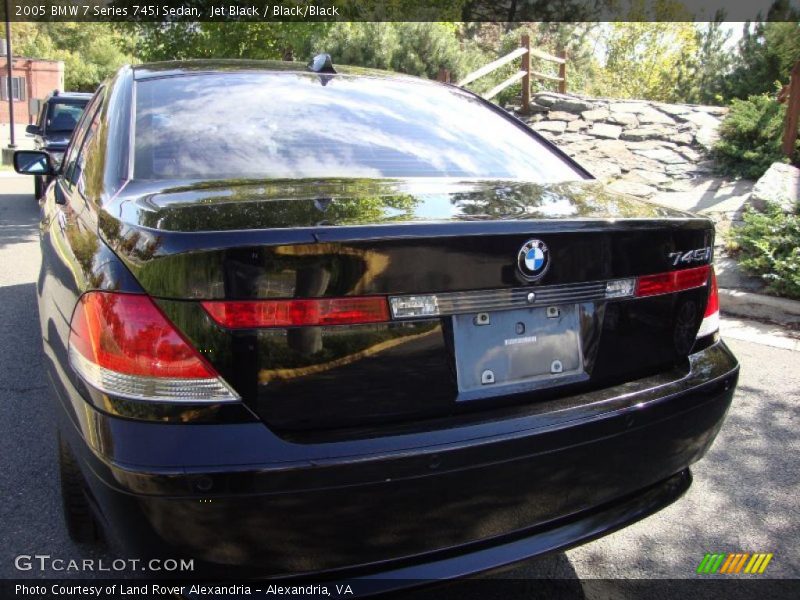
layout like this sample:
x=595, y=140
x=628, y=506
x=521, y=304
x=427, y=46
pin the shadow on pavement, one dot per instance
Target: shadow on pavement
x=744, y=497
x=545, y=577
x=714, y=197
x=30, y=501
x=19, y=214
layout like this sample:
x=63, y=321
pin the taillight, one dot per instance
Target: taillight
x=673, y=281
x=249, y=314
x=123, y=345
x=710, y=322
x=352, y=310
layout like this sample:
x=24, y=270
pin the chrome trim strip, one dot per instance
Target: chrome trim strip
x=451, y=303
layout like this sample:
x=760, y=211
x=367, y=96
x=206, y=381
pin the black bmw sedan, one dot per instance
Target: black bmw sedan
x=319, y=321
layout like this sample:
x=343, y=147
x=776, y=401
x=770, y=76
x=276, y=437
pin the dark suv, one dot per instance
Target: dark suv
x=58, y=116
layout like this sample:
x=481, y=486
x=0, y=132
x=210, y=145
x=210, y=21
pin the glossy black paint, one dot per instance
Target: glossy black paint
x=349, y=450
x=278, y=239
x=245, y=501
x=383, y=236
x=330, y=378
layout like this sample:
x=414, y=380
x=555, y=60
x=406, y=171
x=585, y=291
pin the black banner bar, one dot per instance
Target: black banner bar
x=709, y=588
x=401, y=10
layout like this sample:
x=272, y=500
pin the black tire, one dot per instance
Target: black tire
x=81, y=524
x=38, y=184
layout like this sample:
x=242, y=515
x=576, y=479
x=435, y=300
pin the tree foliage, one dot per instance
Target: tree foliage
x=90, y=51
x=765, y=55
x=702, y=77
x=424, y=48
x=646, y=60
x=365, y=44
x=491, y=40
x=666, y=58
x=750, y=136
x=414, y=48
x=578, y=40
x=253, y=40
x=769, y=245
x=678, y=61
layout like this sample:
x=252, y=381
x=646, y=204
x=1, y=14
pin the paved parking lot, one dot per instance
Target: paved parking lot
x=744, y=497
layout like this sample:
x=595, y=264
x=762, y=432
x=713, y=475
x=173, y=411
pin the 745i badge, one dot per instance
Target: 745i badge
x=690, y=256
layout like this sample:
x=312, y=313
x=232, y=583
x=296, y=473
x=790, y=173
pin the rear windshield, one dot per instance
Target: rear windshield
x=296, y=125
x=63, y=116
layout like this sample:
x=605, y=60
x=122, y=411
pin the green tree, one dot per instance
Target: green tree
x=579, y=40
x=91, y=51
x=751, y=135
x=646, y=59
x=489, y=41
x=766, y=53
x=415, y=48
x=364, y=44
x=424, y=48
x=180, y=41
x=769, y=247
x=703, y=76
x=165, y=41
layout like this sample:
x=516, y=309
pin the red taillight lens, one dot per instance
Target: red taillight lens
x=249, y=314
x=710, y=322
x=128, y=334
x=674, y=281
x=123, y=344
x=713, y=296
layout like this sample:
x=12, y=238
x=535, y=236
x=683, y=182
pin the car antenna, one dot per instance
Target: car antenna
x=322, y=63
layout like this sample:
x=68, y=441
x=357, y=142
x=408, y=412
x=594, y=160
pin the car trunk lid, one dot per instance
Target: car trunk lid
x=457, y=241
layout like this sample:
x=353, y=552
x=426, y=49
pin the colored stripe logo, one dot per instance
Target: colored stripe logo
x=734, y=563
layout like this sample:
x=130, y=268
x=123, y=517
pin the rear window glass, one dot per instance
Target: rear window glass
x=64, y=116
x=295, y=125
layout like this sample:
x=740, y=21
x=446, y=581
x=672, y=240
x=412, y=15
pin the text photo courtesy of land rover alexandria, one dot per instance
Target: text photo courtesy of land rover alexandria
x=326, y=320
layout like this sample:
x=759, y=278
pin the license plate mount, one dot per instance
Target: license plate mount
x=513, y=351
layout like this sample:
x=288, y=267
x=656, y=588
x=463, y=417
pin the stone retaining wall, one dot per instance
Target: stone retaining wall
x=643, y=147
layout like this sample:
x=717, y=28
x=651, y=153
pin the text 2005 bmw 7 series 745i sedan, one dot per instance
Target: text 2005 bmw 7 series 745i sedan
x=318, y=321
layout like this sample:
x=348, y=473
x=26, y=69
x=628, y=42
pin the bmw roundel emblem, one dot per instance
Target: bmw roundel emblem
x=533, y=259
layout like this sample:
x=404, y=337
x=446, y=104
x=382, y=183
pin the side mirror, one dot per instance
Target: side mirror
x=32, y=162
x=32, y=129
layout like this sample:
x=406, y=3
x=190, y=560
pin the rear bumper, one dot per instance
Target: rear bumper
x=548, y=537
x=434, y=506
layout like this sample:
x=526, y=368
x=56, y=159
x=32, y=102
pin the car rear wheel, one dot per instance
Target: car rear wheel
x=81, y=524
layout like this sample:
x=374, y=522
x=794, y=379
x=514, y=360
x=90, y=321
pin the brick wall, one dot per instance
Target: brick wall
x=41, y=78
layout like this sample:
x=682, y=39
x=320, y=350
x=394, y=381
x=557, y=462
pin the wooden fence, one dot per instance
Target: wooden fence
x=525, y=73
x=791, y=95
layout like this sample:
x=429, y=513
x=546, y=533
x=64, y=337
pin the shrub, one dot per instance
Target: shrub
x=769, y=247
x=424, y=48
x=362, y=44
x=751, y=136
x=414, y=48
